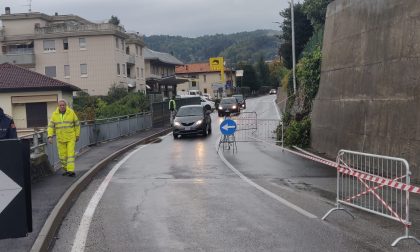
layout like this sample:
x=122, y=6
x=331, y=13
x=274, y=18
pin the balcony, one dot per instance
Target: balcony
x=131, y=60
x=18, y=59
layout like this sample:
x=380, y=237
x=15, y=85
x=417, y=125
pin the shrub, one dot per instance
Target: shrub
x=298, y=133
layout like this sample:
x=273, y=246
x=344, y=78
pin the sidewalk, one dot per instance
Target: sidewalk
x=52, y=191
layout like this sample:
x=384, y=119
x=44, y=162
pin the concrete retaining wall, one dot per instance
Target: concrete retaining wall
x=369, y=95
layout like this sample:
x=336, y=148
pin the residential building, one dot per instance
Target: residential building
x=29, y=97
x=201, y=77
x=92, y=56
x=160, y=72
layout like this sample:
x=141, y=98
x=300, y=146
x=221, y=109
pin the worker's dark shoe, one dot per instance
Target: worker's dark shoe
x=71, y=174
x=66, y=173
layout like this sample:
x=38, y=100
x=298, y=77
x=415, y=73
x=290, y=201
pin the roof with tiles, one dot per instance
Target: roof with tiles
x=167, y=58
x=15, y=78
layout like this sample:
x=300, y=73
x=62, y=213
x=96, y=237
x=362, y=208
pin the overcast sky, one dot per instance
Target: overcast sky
x=189, y=18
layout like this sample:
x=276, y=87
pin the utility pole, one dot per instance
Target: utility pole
x=293, y=46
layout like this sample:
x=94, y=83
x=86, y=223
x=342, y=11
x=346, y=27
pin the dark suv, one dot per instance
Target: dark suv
x=192, y=120
x=241, y=100
x=227, y=106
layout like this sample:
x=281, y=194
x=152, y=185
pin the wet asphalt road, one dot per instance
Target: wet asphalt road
x=178, y=195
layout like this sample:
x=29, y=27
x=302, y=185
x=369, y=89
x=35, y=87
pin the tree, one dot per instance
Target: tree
x=315, y=10
x=303, y=31
x=263, y=72
x=114, y=20
x=250, y=78
x=115, y=93
x=277, y=73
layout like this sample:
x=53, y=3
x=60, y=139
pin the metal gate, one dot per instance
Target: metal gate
x=252, y=129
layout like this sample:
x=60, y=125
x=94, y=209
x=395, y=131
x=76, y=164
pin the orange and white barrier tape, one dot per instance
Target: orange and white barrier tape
x=361, y=175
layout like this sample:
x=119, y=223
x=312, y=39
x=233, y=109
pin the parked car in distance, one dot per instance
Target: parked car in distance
x=207, y=103
x=227, y=106
x=241, y=100
x=192, y=120
x=273, y=91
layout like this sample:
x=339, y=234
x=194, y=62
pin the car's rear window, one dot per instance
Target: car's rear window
x=190, y=111
x=240, y=98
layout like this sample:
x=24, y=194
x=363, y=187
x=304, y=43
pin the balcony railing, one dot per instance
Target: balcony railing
x=19, y=51
x=78, y=28
x=18, y=59
x=131, y=59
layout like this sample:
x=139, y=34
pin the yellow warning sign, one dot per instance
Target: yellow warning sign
x=216, y=64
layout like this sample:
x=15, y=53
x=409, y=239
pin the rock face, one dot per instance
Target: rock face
x=369, y=95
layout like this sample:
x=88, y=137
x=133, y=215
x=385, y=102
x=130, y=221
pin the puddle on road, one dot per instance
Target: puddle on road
x=304, y=187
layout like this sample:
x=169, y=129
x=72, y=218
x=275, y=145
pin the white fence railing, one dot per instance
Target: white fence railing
x=94, y=132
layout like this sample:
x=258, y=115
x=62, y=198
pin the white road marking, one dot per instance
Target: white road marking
x=79, y=243
x=277, y=109
x=9, y=189
x=265, y=191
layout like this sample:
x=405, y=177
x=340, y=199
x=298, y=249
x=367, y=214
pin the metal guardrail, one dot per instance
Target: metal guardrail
x=91, y=132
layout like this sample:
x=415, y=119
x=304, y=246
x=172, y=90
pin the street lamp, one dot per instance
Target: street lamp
x=293, y=46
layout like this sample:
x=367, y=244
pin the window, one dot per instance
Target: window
x=205, y=79
x=138, y=72
x=65, y=44
x=142, y=73
x=50, y=71
x=141, y=51
x=82, y=43
x=123, y=68
x=83, y=70
x=122, y=44
x=137, y=50
x=36, y=114
x=205, y=90
x=118, y=69
x=117, y=43
x=49, y=45
x=193, y=84
x=66, y=71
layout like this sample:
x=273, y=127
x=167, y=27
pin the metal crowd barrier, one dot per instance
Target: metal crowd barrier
x=91, y=132
x=252, y=129
x=360, y=185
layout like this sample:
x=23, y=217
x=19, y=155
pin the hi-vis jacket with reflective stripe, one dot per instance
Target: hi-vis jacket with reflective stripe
x=66, y=127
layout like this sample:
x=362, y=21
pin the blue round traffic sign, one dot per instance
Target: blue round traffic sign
x=228, y=127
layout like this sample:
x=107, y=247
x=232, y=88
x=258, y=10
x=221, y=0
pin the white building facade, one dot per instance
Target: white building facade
x=91, y=56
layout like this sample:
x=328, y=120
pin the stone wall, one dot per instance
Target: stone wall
x=369, y=95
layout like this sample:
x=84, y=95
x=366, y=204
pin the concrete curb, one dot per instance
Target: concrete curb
x=66, y=201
